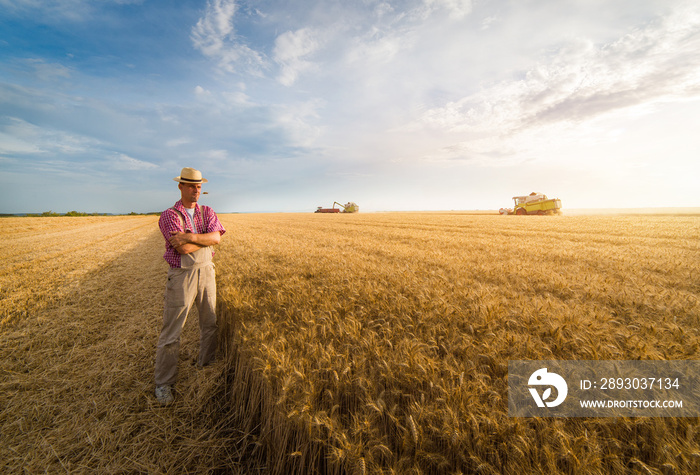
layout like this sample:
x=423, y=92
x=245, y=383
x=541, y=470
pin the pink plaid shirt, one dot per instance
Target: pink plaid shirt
x=205, y=221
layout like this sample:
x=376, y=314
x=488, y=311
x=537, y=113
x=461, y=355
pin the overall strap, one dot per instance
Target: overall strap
x=182, y=219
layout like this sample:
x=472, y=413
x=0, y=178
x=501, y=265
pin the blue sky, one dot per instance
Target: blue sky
x=395, y=105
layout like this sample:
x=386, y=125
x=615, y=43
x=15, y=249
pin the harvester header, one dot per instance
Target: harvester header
x=348, y=207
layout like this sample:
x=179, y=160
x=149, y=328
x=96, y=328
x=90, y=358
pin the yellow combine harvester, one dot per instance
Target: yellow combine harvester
x=534, y=203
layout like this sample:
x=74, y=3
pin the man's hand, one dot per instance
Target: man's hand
x=177, y=238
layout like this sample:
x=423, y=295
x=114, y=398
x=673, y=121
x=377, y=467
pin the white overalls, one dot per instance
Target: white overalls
x=193, y=282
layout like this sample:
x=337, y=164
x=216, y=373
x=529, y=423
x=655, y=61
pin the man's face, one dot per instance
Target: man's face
x=191, y=191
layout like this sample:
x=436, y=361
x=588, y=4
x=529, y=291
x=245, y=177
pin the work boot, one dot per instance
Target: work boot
x=164, y=394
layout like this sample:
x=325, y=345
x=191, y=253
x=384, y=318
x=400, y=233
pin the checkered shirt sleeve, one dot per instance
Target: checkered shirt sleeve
x=208, y=221
x=170, y=221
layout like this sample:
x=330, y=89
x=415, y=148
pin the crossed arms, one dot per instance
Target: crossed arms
x=186, y=243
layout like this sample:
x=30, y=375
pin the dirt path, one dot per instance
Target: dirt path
x=76, y=362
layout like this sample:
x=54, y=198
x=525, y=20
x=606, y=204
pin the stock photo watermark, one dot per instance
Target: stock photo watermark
x=604, y=388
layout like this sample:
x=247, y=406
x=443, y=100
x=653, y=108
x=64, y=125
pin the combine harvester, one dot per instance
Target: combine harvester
x=534, y=203
x=349, y=207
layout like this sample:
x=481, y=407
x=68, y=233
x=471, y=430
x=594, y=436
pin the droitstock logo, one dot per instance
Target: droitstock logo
x=542, y=378
x=604, y=388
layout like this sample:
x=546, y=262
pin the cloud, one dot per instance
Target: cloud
x=579, y=81
x=46, y=71
x=321, y=36
x=457, y=9
x=486, y=23
x=17, y=137
x=290, y=49
x=214, y=35
x=297, y=121
x=12, y=145
x=57, y=131
x=216, y=27
x=216, y=155
x=124, y=162
x=25, y=138
x=57, y=11
x=200, y=91
x=178, y=142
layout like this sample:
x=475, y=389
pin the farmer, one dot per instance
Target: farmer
x=190, y=231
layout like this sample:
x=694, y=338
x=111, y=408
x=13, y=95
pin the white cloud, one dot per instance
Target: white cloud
x=48, y=71
x=382, y=9
x=580, y=81
x=215, y=28
x=290, y=50
x=297, y=119
x=375, y=51
x=23, y=137
x=457, y=9
x=487, y=22
x=124, y=162
x=214, y=35
x=216, y=154
x=178, y=142
x=237, y=99
x=13, y=145
x=200, y=91
x=56, y=11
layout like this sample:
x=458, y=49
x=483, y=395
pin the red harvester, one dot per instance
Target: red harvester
x=349, y=207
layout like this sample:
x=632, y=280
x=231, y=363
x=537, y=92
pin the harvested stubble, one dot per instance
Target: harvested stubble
x=81, y=308
x=379, y=343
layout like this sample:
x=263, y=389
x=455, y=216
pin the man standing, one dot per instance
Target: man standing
x=190, y=231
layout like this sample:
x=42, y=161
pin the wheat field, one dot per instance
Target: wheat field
x=351, y=343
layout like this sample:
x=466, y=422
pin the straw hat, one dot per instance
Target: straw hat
x=190, y=175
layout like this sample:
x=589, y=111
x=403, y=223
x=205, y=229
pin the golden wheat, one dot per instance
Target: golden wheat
x=385, y=338
x=367, y=343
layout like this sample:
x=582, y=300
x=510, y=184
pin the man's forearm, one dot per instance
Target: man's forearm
x=207, y=239
x=188, y=248
x=186, y=243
